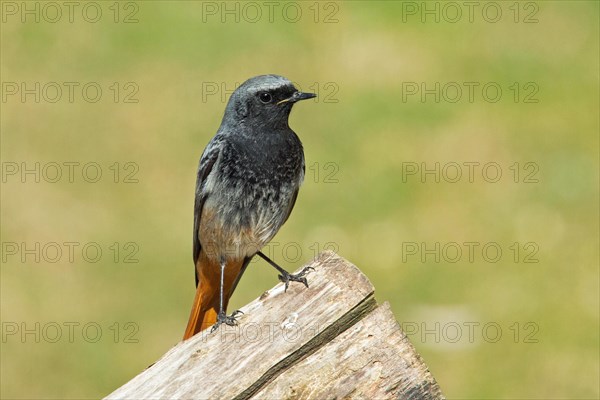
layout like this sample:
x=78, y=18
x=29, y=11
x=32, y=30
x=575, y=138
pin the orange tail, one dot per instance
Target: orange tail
x=200, y=317
x=206, y=302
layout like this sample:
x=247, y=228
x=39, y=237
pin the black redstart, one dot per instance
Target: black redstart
x=246, y=187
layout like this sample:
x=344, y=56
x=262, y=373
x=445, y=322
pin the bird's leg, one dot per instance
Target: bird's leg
x=285, y=276
x=222, y=317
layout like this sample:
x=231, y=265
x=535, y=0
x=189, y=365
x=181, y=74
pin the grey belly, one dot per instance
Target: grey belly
x=238, y=220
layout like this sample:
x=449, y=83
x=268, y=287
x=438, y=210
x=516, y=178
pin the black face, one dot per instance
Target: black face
x=276, y=95
x=269, y=106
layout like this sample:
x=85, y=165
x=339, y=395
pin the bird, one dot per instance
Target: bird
x=247, y=183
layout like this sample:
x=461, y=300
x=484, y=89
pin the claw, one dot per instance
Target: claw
x=222, y=318
x=286, y=277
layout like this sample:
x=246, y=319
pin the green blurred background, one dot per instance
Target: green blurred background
x=358, y=136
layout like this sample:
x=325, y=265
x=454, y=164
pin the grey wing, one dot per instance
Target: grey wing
x=207, y=161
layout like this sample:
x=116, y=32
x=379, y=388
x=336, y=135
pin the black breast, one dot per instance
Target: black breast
x=273, y=159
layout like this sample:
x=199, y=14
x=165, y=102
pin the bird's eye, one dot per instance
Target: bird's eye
x=265, y=97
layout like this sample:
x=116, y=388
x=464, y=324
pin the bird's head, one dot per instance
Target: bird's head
x=264, y=101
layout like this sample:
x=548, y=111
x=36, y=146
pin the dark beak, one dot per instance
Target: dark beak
x=297, y=96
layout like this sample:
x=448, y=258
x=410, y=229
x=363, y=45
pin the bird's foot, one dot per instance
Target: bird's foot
x=223, y=318
x=286, y=277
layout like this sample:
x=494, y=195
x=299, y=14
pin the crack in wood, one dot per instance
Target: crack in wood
x=343, y=323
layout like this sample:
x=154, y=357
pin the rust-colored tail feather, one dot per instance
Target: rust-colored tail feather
x=206, y=302
x=201, y=317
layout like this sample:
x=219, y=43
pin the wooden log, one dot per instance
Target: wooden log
x=331, y=340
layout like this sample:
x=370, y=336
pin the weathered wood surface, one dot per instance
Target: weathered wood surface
x=329, y=341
